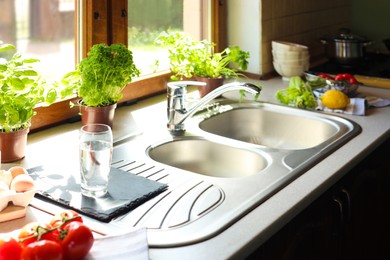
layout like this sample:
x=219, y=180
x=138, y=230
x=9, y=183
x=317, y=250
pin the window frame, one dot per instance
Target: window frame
x=101, y=25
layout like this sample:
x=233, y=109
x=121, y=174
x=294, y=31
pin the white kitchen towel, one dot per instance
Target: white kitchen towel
x=357, y=106
x=131, y=245
x=377, y=102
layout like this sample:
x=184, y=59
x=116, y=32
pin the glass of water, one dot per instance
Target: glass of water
x=95, y=144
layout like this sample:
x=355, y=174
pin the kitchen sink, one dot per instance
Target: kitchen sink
x=276, y=128
x=232, y=158
x=208, y=158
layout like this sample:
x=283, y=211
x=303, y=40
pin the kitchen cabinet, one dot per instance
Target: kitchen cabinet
x=349, y=221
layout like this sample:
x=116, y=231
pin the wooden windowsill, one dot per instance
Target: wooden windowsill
x=61, y=112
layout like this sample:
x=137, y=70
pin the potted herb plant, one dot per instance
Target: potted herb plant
x=99, y=80
x=196, y=59
x=22, y=89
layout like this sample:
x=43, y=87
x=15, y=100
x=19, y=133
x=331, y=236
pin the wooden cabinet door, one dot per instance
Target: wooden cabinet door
x=368, y=186
x=310, y=235
x=349, y=221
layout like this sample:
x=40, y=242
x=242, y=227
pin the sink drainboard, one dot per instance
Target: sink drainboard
x=186, y=199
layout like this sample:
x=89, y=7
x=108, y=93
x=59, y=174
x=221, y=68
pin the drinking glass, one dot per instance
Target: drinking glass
x=95, y=144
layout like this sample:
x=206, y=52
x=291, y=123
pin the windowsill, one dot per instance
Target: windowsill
x=60, y=112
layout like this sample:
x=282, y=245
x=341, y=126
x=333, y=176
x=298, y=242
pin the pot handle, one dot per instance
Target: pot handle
x=368, y=43
x=323, y=41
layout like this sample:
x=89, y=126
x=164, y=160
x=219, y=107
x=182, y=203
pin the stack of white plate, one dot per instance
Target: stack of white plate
x=290, y=59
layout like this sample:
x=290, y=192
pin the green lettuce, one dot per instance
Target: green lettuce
x=298, y=94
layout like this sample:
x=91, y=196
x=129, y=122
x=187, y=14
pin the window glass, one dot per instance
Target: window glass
x=148, y=18
x=43, y=30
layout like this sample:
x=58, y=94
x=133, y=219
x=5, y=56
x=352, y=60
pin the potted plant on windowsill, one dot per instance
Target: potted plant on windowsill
x=99, y=80
x=197, y=59
x=21, y=90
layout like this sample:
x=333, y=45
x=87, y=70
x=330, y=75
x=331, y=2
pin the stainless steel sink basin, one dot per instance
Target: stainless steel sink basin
x=208, y=158
x=272, y=128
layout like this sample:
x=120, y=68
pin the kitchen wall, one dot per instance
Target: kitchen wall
x=371, y=19
x=253, y=24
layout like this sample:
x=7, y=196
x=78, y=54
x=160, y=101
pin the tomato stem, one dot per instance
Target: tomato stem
x=40, y=231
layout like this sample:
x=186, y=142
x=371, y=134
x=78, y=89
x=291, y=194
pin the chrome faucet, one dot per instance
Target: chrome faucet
x=177, y=111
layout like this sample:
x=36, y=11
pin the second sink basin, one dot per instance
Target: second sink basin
x=208, y=158
x=277, y=128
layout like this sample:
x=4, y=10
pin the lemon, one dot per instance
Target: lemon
x=334, y=99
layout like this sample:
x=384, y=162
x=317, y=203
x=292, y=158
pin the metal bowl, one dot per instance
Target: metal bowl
x=346, y=87
x=317, y=82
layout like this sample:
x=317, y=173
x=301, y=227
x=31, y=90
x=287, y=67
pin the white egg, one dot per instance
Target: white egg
x=22, y=183
x=3, y=187
x=6, y=177
x=17, y=170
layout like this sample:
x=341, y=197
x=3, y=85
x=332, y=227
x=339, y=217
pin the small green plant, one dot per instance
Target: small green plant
x=100, y=77
x=22, y=89
x=189, y=58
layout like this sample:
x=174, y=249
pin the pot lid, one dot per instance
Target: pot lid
x=345, y=35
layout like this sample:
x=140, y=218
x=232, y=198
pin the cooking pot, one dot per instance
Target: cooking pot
x=345, y=48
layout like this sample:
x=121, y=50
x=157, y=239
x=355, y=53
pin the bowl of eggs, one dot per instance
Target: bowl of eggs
x=17, y=189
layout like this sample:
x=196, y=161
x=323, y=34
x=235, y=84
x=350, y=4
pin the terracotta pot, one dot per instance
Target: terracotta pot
x=211, y=85
x=13, y=145
x=98, y=115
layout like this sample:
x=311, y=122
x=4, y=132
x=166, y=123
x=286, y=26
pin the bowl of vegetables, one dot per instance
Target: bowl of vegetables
x=344, y=82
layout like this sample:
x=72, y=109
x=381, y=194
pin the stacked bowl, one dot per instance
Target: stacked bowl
x=290, y=59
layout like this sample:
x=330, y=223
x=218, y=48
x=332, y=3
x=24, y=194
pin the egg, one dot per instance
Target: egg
x=3, y=187
x=17, y=170
x=6, y=177
x=22, y=183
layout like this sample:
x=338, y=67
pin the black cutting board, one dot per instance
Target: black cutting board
x=126, y=191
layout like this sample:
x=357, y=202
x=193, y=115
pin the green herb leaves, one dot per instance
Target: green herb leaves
x=22, y=89
x=190, y=58
x=101, y=76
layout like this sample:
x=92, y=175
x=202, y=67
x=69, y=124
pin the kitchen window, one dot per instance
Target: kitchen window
x=60, y=32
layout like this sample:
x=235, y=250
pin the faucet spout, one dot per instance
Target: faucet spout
x=177, y=111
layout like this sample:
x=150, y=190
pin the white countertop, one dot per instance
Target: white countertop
x=257, y=226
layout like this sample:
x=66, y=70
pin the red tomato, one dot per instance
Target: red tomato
x=42, y=250
x=10, y=249
x=353, y=80
x=64, y=217
x=52, y=234
x=29, y=233
x=339, y=77
x=344, y=76
x=78, y=240
x=37, y=231
x=325, y=76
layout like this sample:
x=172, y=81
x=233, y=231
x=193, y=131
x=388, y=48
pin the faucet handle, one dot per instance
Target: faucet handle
x=178, y=87
x=176, y=91
x=185, y=83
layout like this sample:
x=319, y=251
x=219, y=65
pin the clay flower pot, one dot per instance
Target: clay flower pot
x=211, y=85
x=97, y=115
x=13, y=145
